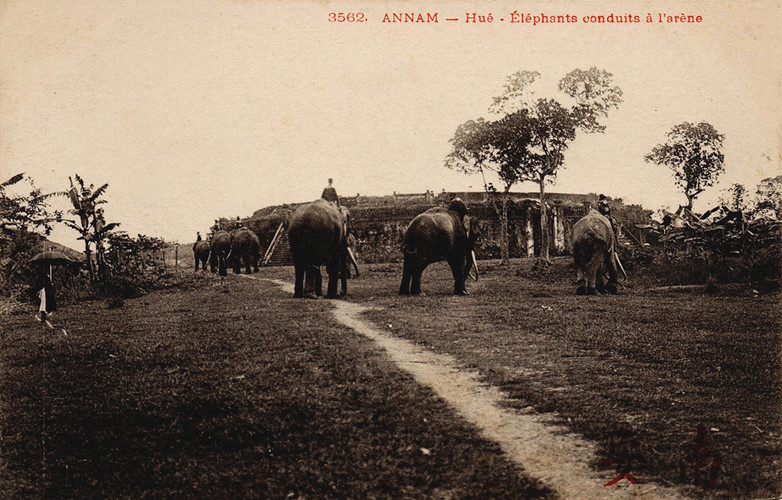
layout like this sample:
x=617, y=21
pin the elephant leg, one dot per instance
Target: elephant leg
x=331, y=291
x=332, y=270
x=613, y=276
x=298, y=286
x=591, y=270
x=407, y=273
x=579, y=264
x=343, y=283
x=317, y=280
x=599, y=281
x=247, y=265
x=458, y=279
x=415, y=287
x=581, y=281
x=222, y=266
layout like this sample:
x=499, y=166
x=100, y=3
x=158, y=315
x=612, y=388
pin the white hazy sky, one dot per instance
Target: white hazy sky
x=200, y=109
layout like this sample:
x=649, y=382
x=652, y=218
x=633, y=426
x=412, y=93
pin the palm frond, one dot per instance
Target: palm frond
x=75, y=226
x=12, y=180
x=45, y=197
x=98, y=192
x=108, y=227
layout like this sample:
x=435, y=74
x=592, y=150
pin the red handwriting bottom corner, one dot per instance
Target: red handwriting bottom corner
x=619, y=477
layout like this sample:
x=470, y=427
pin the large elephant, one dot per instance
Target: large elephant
x=318, y=235
x=221, y=246
x=436, y=235
x=245, y=246
x=594, y=254
x=201, y=253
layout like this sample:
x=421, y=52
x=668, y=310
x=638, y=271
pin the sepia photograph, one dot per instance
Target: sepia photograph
x=380, y=249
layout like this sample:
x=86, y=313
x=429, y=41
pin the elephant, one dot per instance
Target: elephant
x=594, y=254
x=317, y=234
x=245, y=246
x=436, y=235
x=201, y=254
x=221, y=247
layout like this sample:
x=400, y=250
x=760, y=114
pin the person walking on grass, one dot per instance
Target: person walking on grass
x=45, y=291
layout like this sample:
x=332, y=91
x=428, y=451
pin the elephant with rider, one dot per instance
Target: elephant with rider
x=318, y=236
x=440, y=234
x=594, y=254
x=245, y=249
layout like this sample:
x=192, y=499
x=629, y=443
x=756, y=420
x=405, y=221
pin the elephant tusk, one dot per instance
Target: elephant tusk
x=353, y=260
x=475, y=265
x=619, y=263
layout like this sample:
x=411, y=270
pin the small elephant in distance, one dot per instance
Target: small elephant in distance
x=594, y=254
x=245, y=247
x=221, y=247
x=201, y=253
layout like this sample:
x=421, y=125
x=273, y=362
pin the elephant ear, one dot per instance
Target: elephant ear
x=467, y=226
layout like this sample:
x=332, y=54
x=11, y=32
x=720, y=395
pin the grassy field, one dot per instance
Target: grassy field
x=194, y=392
x=650, y=365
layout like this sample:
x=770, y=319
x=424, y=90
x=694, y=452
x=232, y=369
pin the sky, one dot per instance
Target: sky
x=196, y=110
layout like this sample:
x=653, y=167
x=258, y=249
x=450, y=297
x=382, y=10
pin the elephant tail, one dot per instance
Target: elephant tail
x=221, y=266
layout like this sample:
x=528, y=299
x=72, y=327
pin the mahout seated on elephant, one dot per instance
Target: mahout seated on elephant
x=594, y=254
x=201, y=253
x=436, y=235
x=245, y=247
x=317, y=234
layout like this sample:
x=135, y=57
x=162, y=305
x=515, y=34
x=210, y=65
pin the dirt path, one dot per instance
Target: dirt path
x=545, y=450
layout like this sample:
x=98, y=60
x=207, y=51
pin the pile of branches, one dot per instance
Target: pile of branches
x=726, y=239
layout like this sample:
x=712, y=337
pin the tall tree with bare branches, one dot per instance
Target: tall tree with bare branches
x=528, y=141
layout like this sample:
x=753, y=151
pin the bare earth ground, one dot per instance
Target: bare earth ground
x=251, y=393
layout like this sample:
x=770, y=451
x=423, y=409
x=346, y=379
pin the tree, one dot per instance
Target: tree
x=694, y=154
x=24, y=219
x=499, y=147
x=551, y=127
x=92, y=226
x=735, y=198
x=768, y=198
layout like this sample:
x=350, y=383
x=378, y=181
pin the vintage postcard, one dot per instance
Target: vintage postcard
x=390, y=249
